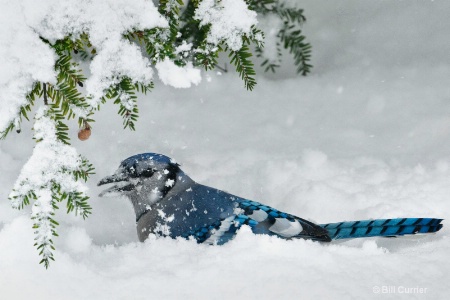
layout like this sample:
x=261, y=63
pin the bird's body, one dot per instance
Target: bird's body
x=167, y=202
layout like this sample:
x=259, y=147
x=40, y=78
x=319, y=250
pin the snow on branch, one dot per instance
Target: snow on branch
x=104, y=21
x=50, y=176
x=229, y=21
x=179, y=77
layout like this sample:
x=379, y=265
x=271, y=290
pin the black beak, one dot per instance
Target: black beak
x=112, y=178
x=123, y=186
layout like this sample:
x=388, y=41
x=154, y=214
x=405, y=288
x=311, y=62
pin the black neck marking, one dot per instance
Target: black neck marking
x=172, y=175
x=173, y=170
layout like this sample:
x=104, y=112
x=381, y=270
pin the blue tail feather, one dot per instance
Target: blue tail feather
x=382, y=227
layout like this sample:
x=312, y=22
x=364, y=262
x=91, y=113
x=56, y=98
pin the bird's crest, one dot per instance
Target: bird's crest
x=151, y=158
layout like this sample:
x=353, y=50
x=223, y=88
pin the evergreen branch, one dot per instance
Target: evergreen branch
x=65, y=94
x=143, y=88
x=23, y=111
x=262, y=6
x=35, y=92
x=127, y=100
x=68, y=71
x=207, y=60
x=124, y=95
x=291, y=15
x=171, y=10
x=86, y=169
x=292, y=39
x=78, y=203
x=244, y=66
x=206, y=55
x=44, y=88
x=224, y=69
x=54, y=182
x=45, y=227
x=190, y=28
x=83, y=47
x=268, y=64
x=290, y=36
x=57, y=114
x=157, y=42
x=7, y=130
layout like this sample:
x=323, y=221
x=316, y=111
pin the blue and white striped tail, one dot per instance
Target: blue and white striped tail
x=382, y=227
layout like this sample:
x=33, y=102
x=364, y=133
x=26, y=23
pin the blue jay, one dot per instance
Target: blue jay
x=167, y=202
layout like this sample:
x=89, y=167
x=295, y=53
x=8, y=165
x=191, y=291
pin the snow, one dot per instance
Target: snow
x=229, y=20
x=20, y=68
x=364, y=136
x=116, y=59
x=179, y=77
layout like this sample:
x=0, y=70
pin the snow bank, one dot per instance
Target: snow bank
x=255, y=267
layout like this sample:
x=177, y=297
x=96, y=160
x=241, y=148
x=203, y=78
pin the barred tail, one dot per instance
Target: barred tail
x=382, y=227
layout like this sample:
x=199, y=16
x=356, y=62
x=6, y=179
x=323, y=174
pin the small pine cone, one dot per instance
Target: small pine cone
x=84, y=133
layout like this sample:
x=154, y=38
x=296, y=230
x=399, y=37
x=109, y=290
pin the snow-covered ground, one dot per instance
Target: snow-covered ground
x=366, y=135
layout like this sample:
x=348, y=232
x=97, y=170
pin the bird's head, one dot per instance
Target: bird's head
x=148, y=171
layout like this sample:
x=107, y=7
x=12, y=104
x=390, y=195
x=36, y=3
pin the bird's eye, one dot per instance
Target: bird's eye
x=148, y=172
